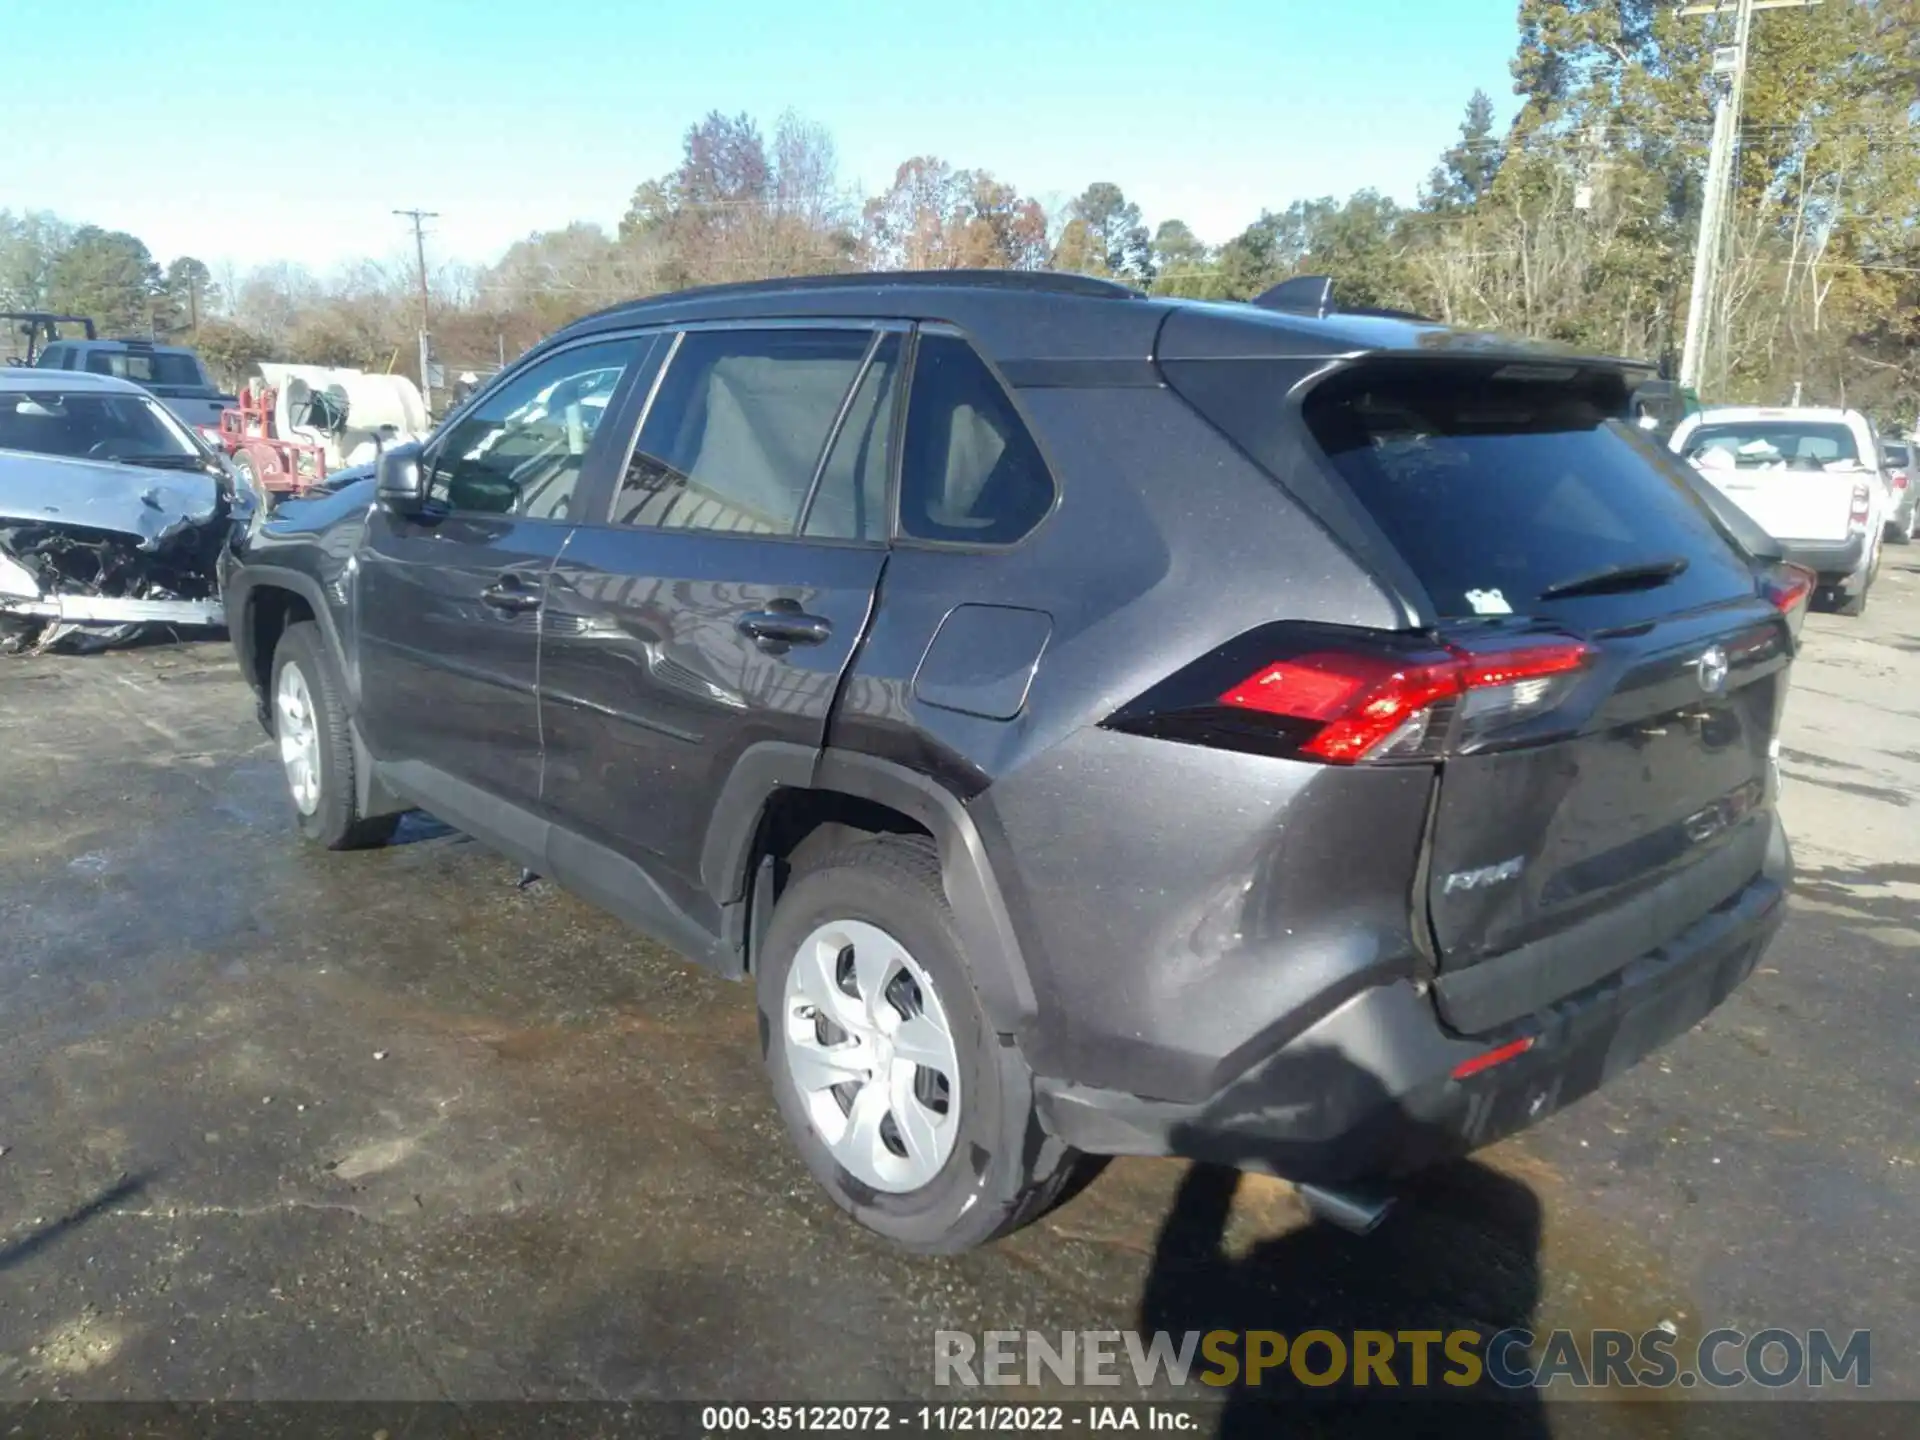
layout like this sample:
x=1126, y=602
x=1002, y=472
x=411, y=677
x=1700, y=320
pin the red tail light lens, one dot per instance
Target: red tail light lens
x=1345, y=696
x=1366, y=706
x=1899, y=479
x=1789, y=587
x=1359, y=701
x=1862, y=507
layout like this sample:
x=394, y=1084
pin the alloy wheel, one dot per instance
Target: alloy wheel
x=299, y=735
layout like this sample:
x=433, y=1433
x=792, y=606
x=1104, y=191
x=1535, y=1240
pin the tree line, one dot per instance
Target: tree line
x=1574, y=222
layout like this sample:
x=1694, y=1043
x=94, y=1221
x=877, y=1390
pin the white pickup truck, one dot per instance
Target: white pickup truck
x=1811, y=478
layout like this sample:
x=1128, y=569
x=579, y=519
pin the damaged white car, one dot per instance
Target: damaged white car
x=112, y=514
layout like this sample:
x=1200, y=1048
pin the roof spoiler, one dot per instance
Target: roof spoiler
x=1313, y=295
x=1302, y=295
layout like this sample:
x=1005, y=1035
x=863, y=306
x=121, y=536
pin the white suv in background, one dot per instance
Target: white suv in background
x=1811, y=478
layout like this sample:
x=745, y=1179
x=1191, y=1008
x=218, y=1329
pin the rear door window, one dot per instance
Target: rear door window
x=735, y=436
x=849, y=499
x=1500, y=493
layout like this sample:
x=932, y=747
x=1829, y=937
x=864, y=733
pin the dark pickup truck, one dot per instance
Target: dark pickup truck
x=172, y=374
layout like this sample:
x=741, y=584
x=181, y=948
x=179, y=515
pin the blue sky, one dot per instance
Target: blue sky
x=509, y=117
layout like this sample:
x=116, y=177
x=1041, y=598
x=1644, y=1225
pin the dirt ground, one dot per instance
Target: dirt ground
x=283, y=1124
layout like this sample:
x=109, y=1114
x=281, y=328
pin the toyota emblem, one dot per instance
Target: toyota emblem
x=1712, y=670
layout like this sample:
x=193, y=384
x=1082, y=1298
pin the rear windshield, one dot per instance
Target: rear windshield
x=1773, y=445
x=145, y=367
x=1500, y=493
x=1898, y=456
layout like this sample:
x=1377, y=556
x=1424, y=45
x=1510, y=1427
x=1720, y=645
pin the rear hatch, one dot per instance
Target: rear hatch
x=1798, y=479
x=1591, y=812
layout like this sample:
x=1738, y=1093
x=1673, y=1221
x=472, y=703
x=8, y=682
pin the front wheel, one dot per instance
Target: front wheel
x=316, y=749
x=903, y=1102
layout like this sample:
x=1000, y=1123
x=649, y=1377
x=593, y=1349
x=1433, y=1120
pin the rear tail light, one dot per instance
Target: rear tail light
x=1862, y=509
x=1366, y=700
x=1789, y=587
x=1899, y=479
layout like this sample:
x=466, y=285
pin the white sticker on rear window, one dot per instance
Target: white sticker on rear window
x=1488, y=602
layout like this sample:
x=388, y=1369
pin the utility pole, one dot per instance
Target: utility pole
x=1717, y=199
x=419, y=217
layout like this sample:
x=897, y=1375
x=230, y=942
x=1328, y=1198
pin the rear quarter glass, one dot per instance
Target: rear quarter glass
x=1495, y=490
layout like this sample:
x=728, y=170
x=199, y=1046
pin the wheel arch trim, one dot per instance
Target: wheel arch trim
x=253, y=578
x=986, y=929
x=374, y=796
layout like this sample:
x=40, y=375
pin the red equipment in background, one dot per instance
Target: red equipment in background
x=248, y=433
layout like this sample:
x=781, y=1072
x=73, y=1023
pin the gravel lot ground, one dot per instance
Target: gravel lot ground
x=385, y=1126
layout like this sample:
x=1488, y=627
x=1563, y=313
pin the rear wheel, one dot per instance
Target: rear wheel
x=316, y=747
x=1850, y=597
x=903, y=1102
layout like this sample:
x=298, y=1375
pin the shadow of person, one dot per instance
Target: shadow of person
x=1459, y=1252
x=51, y=1232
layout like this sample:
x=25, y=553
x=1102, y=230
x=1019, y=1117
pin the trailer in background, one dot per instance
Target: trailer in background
x=293, y=425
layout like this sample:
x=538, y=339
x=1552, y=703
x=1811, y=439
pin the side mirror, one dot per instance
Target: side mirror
x=399, y=483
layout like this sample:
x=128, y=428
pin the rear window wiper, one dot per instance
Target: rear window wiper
x=1643, y=576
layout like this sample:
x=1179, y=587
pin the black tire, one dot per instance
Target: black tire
x=1005, y=1170
x=336, y=821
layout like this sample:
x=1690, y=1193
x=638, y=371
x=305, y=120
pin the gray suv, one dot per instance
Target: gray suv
x=1319, y=742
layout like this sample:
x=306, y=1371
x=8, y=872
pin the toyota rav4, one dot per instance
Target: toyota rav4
x=1317, y=741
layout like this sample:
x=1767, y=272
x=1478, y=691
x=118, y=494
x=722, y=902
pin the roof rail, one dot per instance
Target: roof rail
x=1049, y=282
x=1313, y=295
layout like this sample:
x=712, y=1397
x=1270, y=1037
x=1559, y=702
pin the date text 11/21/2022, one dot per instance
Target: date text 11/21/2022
x=977, y=1419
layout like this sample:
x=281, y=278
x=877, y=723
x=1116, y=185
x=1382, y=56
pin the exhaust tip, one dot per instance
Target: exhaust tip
x=1352, y=1211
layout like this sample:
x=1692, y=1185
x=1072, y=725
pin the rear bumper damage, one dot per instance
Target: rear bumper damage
x=1381, y=1088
